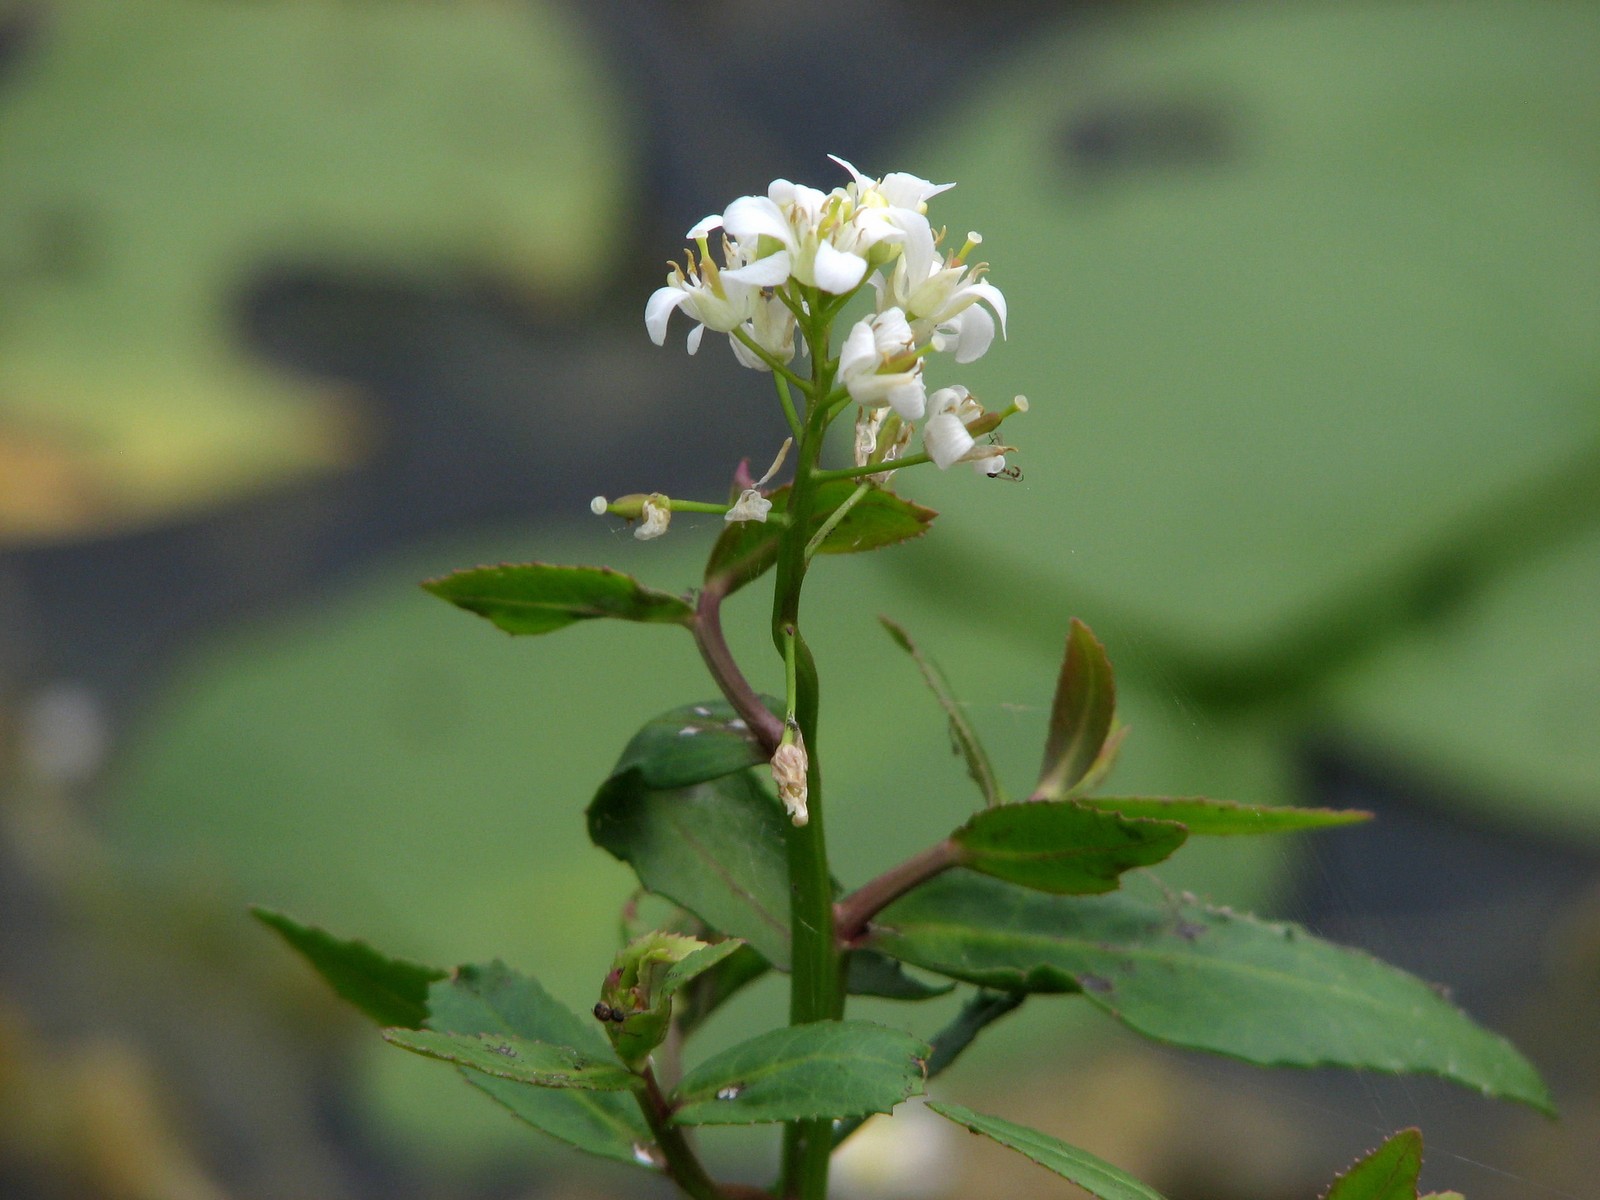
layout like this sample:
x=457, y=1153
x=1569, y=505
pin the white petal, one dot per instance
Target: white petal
x=945, y=439
x=920, y=252
x=860, y=352
x=658, y=309
x=704, y=226
x=891, y=333
x=974, y=333
x=908, y=191
x=764, y=272
x=947, y=399
x=695, y=335
x=991, y=295
x=908, y=399
x=757, y=216
x=746, y=356
x=990, y=466
x=854, y=174
x=838, y=272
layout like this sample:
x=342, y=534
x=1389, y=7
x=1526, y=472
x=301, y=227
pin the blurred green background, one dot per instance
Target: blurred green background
x=302, y=303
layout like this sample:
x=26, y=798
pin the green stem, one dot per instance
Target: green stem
x=696, y=506
x=789, y=412
x=835, y=517
x=681, y=1162
x=853, y=912
x=895, y=464
x=779, y=368
x=708, y=636
x=816, y=992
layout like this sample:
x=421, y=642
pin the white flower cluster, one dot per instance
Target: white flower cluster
x=869, y=231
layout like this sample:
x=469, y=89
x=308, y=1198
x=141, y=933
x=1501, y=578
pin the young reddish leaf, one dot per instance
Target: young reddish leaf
x=1080, y=718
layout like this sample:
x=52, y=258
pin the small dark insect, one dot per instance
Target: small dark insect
x=1013, y=474
x=604, y=1012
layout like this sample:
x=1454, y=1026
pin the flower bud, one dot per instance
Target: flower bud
x=789, y=766
x=636, y=999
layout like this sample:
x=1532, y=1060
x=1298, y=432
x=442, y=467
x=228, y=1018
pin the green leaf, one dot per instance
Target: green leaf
x=1201, y=977
x=869, y=973
x=495, y=1000
x=804, y=1072
x=391, y=991
x=1063, y=846
x=686, y=970
x=961, y=731
x=707, y=992
x=1093, y=1175
x=747, y=549
x=715, y=848
x=1222, y=818
x=533, y=598
x=1080, y=717
x=692, y=744
x=517, y=1059
x=1389, y=1173
x=880, y=518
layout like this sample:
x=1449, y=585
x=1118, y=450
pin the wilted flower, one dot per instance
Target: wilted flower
x=657, y=515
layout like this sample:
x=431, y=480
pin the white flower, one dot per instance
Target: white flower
x=879, y=365
x=947, y=439
x=942, y=296
x=771, y=327
x=892, y=209
x=657, y=515
x=718, y=298
x=795, y=222
x=789, y=766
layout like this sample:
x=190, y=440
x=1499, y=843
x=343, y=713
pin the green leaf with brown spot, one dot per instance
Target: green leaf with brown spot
x=1201, y=977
